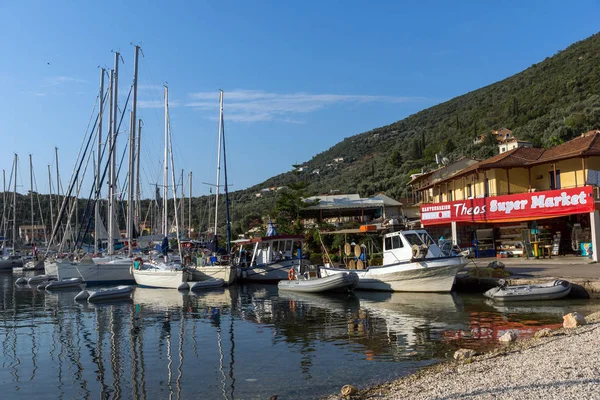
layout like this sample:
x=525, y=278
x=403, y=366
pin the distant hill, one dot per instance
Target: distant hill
x=548, y=103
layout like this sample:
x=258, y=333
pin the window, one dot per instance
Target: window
x=396, y=242
x=413, y=239
x=469, y=192
x=450, y=195
x=555, y=185
x=487, y=187
x=388, y=243
x=288, y=246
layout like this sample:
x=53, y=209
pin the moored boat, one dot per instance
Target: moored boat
x=412, y=262
x=63, y=284
x=556, y=289
x=207, y=284
x=119, y=292
x=334, y=283
x=157, y=274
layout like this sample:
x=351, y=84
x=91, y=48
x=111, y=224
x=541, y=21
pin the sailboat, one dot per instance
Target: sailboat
x=112, y=270
x=8, y=258
x=164, y=273
x=215, y=266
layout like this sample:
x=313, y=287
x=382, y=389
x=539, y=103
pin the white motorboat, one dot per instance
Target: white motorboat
x=119, y=292
x=412, y=262
x=272, y=257
x=556, y=289
x=64, y=284
x=157, y=274
x=207, y=284
x=334, y=283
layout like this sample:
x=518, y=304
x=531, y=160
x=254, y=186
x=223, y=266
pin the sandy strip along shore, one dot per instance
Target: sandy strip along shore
x=565, y=365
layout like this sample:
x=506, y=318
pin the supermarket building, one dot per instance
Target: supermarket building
x=539, y=202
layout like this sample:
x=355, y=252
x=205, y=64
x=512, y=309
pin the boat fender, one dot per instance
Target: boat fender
x=83, y=295
x=21, y=281
x=291, y=274
x=183, y=286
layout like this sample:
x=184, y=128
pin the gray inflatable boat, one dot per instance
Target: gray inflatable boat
x=545, y=291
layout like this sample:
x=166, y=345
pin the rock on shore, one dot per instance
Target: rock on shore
x=564, y=365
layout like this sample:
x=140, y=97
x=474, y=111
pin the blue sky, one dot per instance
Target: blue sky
x=298, y=76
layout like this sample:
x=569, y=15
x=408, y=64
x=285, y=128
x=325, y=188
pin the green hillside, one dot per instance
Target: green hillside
x=548, y=103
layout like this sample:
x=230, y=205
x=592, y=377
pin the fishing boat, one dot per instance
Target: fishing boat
x=556, y=289
x=64, y=284
x=119, y=292
x=271, y=257
x=309, y=283
x=207, y=284
x=412, y=262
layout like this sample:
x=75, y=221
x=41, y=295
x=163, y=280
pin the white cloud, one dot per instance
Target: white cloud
x=59, y=80
x=256, y=105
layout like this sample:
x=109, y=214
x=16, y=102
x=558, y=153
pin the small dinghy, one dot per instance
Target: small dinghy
x=545, y=291
x=207, y=284
x=119, y=292
x=342, y=282
x=34, y=279
x=62, y=284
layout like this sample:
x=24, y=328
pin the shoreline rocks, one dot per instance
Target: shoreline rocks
x=548, y=365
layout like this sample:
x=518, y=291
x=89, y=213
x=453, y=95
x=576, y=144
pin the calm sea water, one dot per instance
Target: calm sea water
x=243, y=342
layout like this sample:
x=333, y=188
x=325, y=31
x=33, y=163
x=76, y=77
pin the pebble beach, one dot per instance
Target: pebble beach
x=563, y=365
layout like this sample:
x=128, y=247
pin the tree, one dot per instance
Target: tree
x=395, y=158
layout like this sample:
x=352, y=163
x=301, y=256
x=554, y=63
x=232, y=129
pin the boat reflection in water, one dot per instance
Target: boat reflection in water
x=235, y=342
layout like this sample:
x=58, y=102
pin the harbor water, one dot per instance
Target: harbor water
x=242, y=342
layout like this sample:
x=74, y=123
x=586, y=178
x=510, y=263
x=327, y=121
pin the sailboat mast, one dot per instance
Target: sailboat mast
x=111, y=138
x=138, y=194
x=174, y=196
x=131, y=187
x=227, y=221
x=99, y=164
x=190, y=208
x=50, y=190
x=182, y=203
x=219, y=157
x=57, y=183
x=14, y=227
x=31, y=192
x=113, y=158
x=166, y=164
x=3, y=205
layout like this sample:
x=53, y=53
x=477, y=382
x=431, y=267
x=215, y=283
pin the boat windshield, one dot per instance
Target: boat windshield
x=418, y=238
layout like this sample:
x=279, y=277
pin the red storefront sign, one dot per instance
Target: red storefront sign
x=512, y=207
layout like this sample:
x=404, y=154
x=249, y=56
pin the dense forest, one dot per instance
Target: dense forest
x=548, y=103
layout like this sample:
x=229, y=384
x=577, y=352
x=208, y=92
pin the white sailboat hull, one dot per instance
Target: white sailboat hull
x=430, y=275
x=96, y=274
x=158, y=278
x=225, y=272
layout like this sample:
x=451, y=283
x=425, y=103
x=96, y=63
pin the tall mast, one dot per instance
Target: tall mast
x=190, y=208
x=227, y=221
x=57, y=183
x=99, y=164
x=113, y=159
x=182, y=203
x=131, y=187
x=111, y=171
x=50, y=189
x=14, y=227
x=166, y=164
x=219, y=157
x=31, y=192
x=138, y=193
x=3, y=205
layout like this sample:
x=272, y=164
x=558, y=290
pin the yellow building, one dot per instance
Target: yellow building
x=522, y=177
